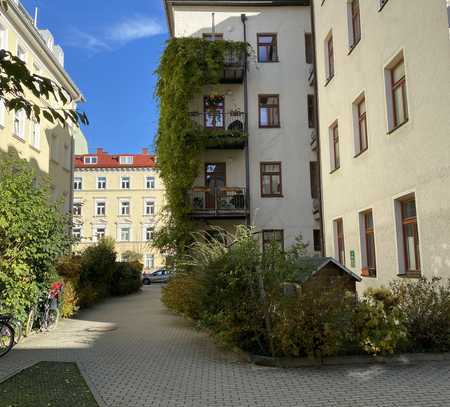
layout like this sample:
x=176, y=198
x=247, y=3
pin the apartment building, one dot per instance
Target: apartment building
x=384, y=106
x=46, y=145
x=119, y=196
x=270, y=179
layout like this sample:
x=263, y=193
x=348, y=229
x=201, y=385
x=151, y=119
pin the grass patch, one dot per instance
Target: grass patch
x=47, y=384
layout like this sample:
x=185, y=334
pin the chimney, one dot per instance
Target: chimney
x=145, y=151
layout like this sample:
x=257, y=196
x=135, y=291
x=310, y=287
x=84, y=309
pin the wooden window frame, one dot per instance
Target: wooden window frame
x=217, y=36
x=311, y=99
x=340, y=239
x=356, y=22
x=264, y=241
x=264, y=173
x=271, y=126
x=336, y=153
x=330, y=58
x=309, y=46
x=406, y=221
x=215, y=109
x=362, y=121
x=401, y=83
x=274, y=44
x=369, y=270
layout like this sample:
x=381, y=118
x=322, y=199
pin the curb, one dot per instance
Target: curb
x=402, y=359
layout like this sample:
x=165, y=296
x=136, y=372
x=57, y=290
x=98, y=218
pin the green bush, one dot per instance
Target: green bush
x=70, y=302
x=425, y=309
x=126, y=278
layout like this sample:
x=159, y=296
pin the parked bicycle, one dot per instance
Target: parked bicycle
x=6, y=334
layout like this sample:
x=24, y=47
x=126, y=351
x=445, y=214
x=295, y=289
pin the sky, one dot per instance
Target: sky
x=112, y=48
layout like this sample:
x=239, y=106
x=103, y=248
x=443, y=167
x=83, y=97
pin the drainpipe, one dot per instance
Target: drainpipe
x=247, y=153
x=316, y=114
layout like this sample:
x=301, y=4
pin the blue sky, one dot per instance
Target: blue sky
x=112, y=48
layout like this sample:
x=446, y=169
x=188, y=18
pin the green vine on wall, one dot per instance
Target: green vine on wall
x=187, y=65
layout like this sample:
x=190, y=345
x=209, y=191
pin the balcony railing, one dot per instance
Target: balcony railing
x=225, y=129
x=234, y=67
x=222, y=202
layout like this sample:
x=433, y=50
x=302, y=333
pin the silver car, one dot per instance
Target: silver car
x=158, y=276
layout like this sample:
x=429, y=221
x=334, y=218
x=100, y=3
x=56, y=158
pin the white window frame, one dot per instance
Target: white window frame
x=3, y=37
x=21, y=50
x=145, y=232
x=78, y=183
x=149, y=203
x=77, y=235
x=77, y=204
x=122, y=227
x=101, y=182
x=95, y=234
x=123, y=180
x=19, y=117
x=98, y=205
x=149, y=261
x=126, y=160
x=2, y=114
x=150, y=182
x=90, y=160
x=124, y=204
x=35, y=137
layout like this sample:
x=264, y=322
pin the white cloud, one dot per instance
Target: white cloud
x=81, y=39
x=135, y=28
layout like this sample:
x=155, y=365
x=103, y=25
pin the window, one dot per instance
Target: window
x=3, y=38
x=334, y=142
x=124, y=208
x=19, y=123
x=125, y=182
x=99, y=233
x=354, y=23
x=76, y=233
x=92, y=160
x=125, y=234
x=410, y=234
x=149, y=207
x=267, y=48
x=126, y=160
x=101, y=182
x=360, y=114
x=150, y=182
x=329, y=52
x=21, y=54
x=311, y=112
x=269, y=111
x=270, y=236
x=368, y=245
x=77, y=183
x=149, y=233
x=309, y=48
x=149, y=261
x=398, y=95
x=35, y=134
x=77, y=208
x=271, y=179
x=214, y=108
x=100, y=208
x=314, y=179
x=339, y=238
x=317, y=240
x=213, y=36
x=2, y=112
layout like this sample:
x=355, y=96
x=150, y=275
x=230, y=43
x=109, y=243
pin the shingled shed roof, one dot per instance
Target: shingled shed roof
x=313, y=265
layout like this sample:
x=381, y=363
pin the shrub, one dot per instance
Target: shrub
x=425, y=308
x=70, y=303
x=127, y=278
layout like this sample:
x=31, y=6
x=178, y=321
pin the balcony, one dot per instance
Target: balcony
x=234, y=67
x=225, y=202
x=224, y=130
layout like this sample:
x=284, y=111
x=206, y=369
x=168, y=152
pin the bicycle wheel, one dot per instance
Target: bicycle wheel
x=6, y=338
x=18, y=330
x=30, y=322
x=53, y=318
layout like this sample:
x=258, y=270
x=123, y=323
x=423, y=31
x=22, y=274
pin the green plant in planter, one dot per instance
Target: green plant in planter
x=187, y=65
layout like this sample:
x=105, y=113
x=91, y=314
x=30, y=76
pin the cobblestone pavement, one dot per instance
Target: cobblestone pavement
x=135, y=353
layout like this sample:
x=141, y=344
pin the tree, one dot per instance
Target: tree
x=16, y=80
x=34, y=233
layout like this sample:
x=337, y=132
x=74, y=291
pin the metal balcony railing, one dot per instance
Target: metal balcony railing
x=218, y=120
x=226, y=201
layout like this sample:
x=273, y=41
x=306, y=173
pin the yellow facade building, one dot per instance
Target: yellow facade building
x=48, y=146
x=118, y=196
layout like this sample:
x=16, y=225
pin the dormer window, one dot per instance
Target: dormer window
x=126, y=160
x=90, y=160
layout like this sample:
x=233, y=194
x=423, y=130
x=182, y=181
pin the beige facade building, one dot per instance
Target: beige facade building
x=266, y=181
x=119, y=196
x=383, y=80
x=47, y=146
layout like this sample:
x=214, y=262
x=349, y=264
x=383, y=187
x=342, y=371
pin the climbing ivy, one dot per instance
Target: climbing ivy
x=186, y=66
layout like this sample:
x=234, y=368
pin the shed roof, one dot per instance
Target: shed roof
x=312, y=265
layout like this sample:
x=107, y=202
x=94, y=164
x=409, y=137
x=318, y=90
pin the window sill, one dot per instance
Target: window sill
x=269, y=62
x=328, y=81
x=366, y=273
x=410, y=274
x=353, y=46
x=360, y=153
x=269, y=127
x=35, y=148
x=397, y=127
x=22, y=140
x=382, y=7
x=272, y=196
x=334, y=170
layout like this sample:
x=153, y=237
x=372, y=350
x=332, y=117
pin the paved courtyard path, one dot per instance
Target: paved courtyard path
x=134, y=352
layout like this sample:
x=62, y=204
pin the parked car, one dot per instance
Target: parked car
x=158, y=276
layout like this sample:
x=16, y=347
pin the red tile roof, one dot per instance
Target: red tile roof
x=105, y=160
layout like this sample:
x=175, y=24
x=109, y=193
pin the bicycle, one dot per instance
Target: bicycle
x=6, y=335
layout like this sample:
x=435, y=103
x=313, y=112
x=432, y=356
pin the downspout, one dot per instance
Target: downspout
x=316, y=114
x=247, y=153
x=72, y=175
